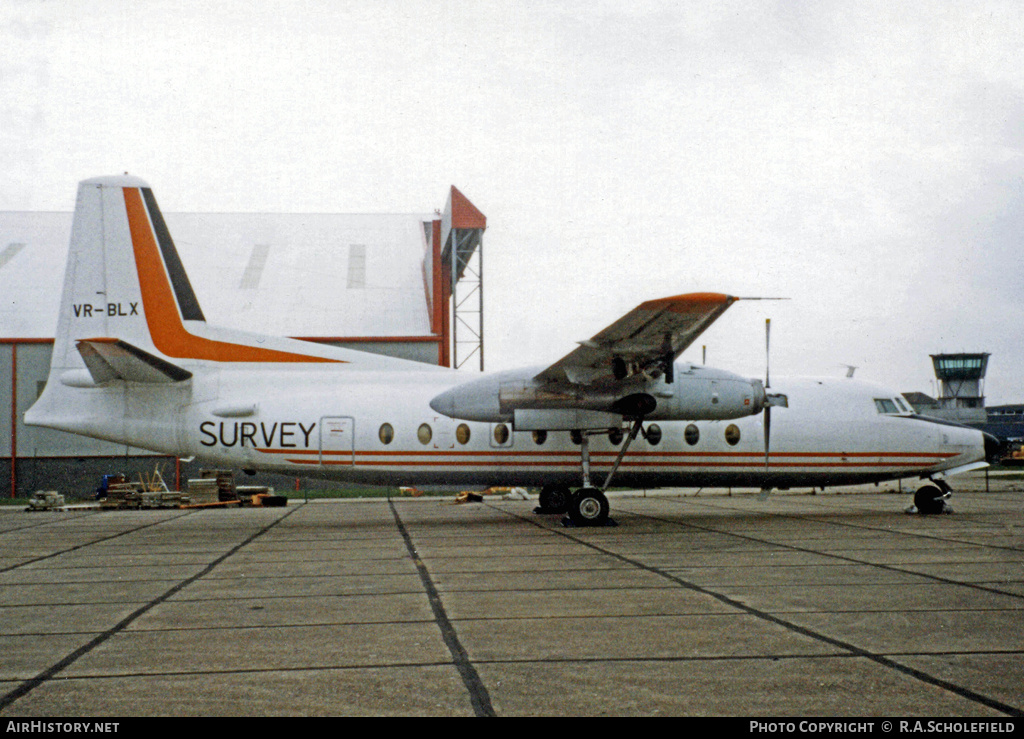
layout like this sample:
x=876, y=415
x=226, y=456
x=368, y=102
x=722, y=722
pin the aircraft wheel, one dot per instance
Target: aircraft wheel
x=929, y=499
x=555, y=498
x=589, y=507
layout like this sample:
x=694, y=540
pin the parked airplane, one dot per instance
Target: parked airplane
x=135, y=362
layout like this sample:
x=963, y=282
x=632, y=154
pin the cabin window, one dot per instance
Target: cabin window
x=462, y=433
x=424, y=434
x=653, y=434
x=692, y=435
x=539, y=437
x=615, y=436
x=884, y=405
x=732, y=434
x=501, y=433
x=577, y=436
x=386, y=433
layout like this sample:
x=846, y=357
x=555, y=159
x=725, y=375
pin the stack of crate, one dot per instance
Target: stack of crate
x=213, y=486
x=202, y=491
x=123, y=495
x=225, y=480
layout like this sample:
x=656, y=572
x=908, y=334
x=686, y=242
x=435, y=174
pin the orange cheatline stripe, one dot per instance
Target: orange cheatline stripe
x=638, y=466
x=162, y=316
x=886, y=457
x=455, y=459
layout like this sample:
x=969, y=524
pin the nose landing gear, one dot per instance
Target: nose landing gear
x=931, y=499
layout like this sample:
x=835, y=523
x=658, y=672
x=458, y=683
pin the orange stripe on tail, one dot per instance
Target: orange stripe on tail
x=165, y=326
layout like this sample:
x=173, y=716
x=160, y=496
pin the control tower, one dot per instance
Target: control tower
x=961, y=386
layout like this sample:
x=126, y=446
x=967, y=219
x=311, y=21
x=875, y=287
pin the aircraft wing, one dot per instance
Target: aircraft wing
x=648, y=338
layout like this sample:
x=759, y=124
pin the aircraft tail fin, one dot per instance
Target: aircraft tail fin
x=131, y=325
x=128, y=314
x=125, y=286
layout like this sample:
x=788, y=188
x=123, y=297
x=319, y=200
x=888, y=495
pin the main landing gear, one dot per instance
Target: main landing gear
x=587, y=506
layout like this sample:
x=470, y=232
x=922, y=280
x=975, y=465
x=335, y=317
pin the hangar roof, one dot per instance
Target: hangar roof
x=300, y=275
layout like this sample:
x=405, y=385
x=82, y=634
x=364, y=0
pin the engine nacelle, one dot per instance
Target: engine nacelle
x=696, y=393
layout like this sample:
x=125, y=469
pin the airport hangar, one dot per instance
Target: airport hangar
x=405, y=285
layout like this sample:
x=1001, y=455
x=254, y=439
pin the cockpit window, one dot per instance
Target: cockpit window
x=885, y=405
x=902, y=406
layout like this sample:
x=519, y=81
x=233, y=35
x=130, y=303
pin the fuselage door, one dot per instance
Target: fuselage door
x=337, y=440
x=444, y=434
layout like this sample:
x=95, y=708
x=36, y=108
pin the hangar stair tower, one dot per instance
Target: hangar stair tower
x=459, y=301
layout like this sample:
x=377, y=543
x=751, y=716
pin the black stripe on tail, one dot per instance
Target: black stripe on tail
x=188, y=304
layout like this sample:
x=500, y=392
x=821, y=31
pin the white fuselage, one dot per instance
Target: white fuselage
x=328, y=423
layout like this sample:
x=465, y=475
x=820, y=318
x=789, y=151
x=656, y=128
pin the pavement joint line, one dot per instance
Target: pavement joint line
x=28, y=686
x=447, y=665
x=234, y=628
x=505, y=619
x=825, y=656
x=479, y=696
x=43, y=520
x=255, y=671
x=853, y=649
x=828, y=518
x=842, y=558
x=76, y=547
x=213, y=599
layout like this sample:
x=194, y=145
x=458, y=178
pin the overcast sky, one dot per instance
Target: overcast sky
x=862, y=159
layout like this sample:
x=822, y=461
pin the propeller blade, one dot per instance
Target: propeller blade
x=767, y=384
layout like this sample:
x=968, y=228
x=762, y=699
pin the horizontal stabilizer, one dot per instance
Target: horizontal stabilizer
x=114, y=359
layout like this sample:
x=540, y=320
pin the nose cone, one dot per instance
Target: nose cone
x=994, y=448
